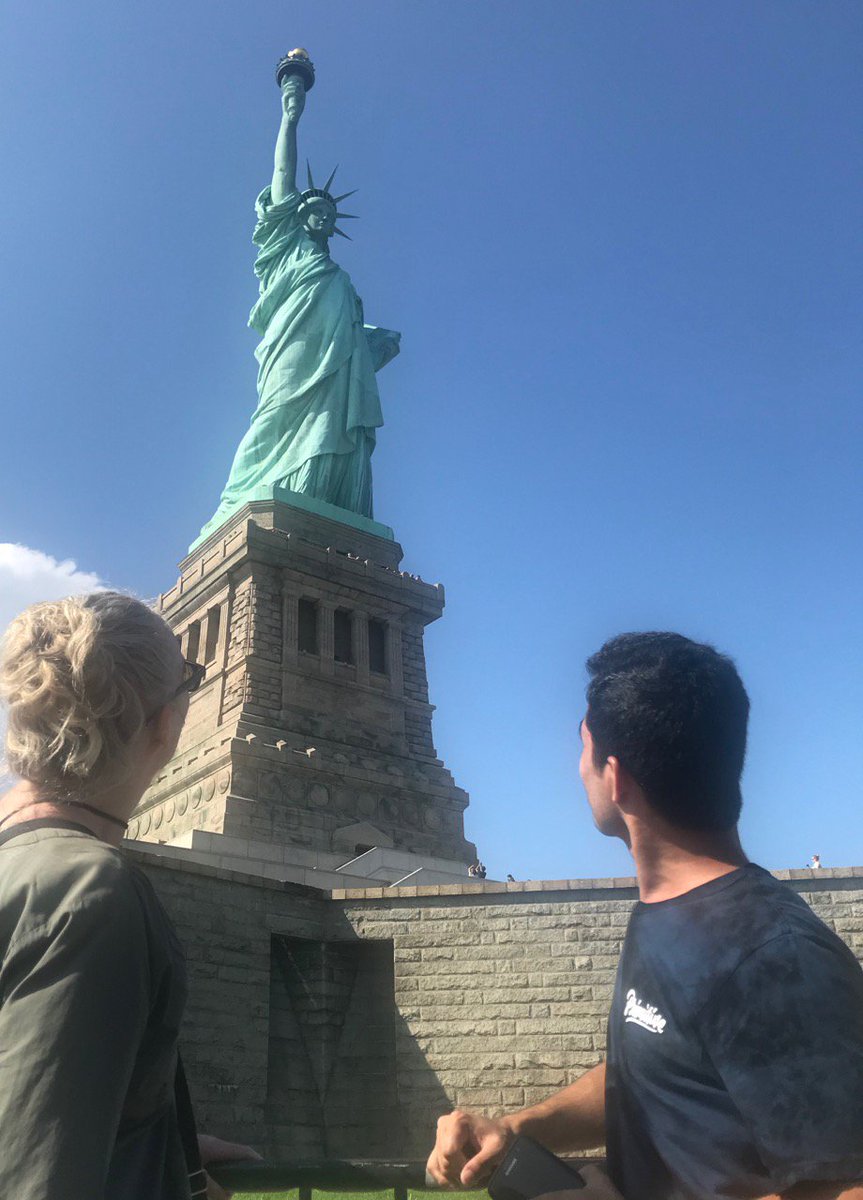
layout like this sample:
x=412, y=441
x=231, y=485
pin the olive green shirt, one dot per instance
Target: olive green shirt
x=92, y=991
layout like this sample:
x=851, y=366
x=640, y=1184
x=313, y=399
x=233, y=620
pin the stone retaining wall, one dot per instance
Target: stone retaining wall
x=501, y=993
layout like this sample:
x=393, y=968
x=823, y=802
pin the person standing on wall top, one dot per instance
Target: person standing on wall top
x=735, y=1039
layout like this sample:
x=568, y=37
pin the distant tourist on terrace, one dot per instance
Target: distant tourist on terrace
x=735, y=1040
x=93, y=1103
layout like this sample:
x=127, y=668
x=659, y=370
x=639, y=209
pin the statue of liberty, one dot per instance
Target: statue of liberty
x=313, y=430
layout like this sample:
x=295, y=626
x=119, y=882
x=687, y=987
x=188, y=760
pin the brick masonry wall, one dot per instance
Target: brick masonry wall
x=418, y=729
x=239, y=641
x=501, y=990
x=225, y=923
x=502, y=996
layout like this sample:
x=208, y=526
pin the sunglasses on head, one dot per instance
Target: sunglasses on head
x=193, y=677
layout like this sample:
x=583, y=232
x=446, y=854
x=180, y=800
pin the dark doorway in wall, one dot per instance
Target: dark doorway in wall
x=331, y=1083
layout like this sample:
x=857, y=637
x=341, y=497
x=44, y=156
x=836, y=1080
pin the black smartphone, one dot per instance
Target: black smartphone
x=530, y=1170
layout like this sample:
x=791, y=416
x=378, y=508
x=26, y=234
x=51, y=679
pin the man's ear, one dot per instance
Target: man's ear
x=623, y=786
x=615, y=771
x=626, y=793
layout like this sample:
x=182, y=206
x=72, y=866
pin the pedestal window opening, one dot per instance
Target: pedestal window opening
x=307, y=627
x=214, y=622
x=377, y=646
x=193, y=641
x=343, y=636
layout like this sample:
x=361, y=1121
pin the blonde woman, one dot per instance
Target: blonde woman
x=92, y=978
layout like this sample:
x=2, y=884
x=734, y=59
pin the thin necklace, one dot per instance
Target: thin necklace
x=68, y=802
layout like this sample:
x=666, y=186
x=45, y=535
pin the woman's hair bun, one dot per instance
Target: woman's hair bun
x=79, y=677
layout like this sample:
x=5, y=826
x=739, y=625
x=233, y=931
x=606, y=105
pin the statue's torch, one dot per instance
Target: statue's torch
x=295, y=74
x=296, y=63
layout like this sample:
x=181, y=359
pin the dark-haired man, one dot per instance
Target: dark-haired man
x=735, y=1039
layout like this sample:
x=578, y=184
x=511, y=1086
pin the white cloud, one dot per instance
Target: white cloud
x=27, y=576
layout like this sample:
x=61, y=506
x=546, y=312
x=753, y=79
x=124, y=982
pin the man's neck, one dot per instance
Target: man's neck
x=670, y=862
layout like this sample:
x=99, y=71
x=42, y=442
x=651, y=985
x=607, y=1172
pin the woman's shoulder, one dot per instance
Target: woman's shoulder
x=49, y=875
x=57, y=847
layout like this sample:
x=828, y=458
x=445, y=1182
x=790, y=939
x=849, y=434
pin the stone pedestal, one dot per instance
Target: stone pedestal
x=313, y=726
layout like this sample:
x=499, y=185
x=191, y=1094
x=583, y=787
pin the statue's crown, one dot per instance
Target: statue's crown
x=316, y=193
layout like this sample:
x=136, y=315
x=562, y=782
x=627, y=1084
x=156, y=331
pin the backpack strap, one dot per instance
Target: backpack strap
x=42, y=823
x=189, y=1132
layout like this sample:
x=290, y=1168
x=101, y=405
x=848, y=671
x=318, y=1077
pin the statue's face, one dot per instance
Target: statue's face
x=320, y=219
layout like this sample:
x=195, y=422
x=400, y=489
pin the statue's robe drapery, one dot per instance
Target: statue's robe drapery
x=313, y=430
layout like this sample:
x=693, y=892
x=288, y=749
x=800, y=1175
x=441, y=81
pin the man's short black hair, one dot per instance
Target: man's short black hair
x=674, y=713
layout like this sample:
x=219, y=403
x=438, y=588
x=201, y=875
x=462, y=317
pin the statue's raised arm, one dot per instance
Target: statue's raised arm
x=285, y=165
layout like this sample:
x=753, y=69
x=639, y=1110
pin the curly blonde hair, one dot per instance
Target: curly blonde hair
x=80, y=677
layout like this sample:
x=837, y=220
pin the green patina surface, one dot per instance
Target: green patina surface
x=308, y=504
x=313, y=430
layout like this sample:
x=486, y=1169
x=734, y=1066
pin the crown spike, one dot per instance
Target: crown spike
x=341, y=234
x=344, y=195
x=331, y=178
x=309, y=173
x=347, y=216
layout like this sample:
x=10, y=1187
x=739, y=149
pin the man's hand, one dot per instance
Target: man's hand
x=214, y=1150
x=467, y=1149
x=293, y=98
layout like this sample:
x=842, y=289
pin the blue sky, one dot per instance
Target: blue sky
x=622, y=242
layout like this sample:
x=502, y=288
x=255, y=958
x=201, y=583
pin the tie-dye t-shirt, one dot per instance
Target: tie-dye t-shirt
x=735, y=1046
